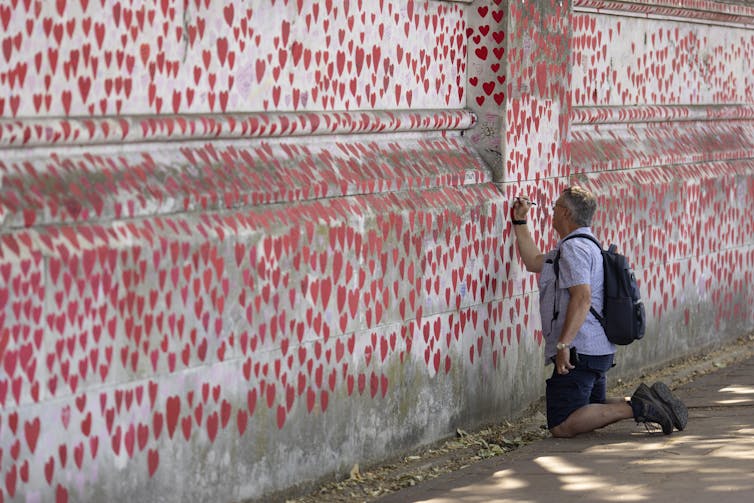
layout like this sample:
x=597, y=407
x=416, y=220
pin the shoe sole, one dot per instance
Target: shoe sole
x=644, y=393
x=678, y=411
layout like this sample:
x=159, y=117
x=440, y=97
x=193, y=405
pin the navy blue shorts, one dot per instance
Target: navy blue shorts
x=581, y=386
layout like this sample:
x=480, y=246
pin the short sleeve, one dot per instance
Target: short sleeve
x=575, y=264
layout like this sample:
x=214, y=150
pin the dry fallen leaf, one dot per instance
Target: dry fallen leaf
x=355, y=475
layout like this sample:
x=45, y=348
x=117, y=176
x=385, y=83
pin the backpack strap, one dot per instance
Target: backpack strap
x=586, y=236
x=556, y=269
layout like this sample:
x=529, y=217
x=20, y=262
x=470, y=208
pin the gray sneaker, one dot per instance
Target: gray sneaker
x=677, y=411
x=647, y=409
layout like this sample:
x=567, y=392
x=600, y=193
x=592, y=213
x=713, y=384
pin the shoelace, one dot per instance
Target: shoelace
x=656, y=428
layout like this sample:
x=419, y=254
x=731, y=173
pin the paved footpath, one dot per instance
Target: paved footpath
x=712, y=460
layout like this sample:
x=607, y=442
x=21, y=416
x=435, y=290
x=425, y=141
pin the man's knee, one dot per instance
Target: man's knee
x=561, y=431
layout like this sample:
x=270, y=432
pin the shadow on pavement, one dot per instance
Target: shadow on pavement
x=711, y=461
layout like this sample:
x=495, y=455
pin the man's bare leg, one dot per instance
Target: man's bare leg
x=590, y=417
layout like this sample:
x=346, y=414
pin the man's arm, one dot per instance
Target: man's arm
x=530, y=254
x=578, y=308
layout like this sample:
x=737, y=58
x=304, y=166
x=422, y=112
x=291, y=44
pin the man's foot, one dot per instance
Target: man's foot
x=648, y=409
x=677, y=411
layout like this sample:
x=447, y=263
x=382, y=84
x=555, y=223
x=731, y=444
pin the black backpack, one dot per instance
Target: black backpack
x=623, y=316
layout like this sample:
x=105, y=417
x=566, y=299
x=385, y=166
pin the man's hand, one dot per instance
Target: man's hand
x=563, y=361
x=521, y=206
x=530, y=254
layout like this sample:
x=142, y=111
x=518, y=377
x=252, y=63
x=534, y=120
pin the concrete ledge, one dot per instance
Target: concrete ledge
x=43, y=132
x=657, y=113
x=609, y=147
x=97, y=184
x=702, y=10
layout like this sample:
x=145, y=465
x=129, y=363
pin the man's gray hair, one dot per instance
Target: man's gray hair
x=582, y=205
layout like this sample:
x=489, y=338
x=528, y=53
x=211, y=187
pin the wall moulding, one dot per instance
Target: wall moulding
x=101, y=183
x=700, y=10
x=629, y=146
x=44, y=132
x=658, y=113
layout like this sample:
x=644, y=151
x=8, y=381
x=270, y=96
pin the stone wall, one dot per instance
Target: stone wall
x=244, y=246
